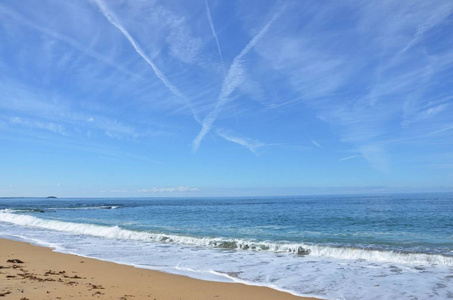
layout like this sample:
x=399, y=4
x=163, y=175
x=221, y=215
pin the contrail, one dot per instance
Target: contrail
x=115, y=22
x=232, y=80
x=211, y=24
x=214, y=33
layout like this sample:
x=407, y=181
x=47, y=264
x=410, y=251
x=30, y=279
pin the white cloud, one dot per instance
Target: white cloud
x=66, y=40
x=35, y=124
x=111, y=17
x=181, y=47
x=315, y=143
x=248, y=143
x=233, y=79
x=361, y=91
x=376, y=156
x=348, y=157
x=57, y=114
x=179, y=189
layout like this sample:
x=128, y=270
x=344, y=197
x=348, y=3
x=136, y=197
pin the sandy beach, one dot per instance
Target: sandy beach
x=32, y=272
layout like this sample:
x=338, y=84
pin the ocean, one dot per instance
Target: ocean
x=396, y=246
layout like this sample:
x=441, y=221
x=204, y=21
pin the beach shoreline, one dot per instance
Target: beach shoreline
x=35, y=272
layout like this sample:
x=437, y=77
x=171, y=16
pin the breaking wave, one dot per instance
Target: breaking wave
x=115, y=232
x=43, y=210
x=86, y=207
x=23, y=210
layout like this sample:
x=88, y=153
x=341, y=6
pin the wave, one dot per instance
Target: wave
x=43, y=210
x=23, y=210
x=302, y=249
x=86, y=207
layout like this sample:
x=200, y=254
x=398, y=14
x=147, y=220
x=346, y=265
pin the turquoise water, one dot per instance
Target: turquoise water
x=385, y=246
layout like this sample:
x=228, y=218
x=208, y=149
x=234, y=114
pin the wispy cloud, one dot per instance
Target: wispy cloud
x=320, y=72
x=248, y=143
x=348, y=157
x=233, y=79
x=67, y=40
x=35, y=124
x=30, y=108
x=433, y=19
x=111, y=17
x=315, y=143
x=179, y=189
x=376, y=156
x=415, y=112
x=182, y=45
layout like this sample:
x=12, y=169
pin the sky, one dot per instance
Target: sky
x=146, y=98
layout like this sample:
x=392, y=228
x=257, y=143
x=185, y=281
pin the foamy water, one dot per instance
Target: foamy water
x=268, y=250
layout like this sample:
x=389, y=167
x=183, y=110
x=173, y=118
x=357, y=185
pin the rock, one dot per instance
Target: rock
x=302, y=251
x=5, y=293
x=15, y=261
x=95, y=287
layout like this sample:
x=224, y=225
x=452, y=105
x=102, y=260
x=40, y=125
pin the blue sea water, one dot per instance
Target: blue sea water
x=397, y=246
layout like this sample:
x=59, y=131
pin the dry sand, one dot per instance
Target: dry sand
x=44, y=274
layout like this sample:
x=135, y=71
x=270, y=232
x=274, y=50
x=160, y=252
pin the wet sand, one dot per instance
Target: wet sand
x=32, y=272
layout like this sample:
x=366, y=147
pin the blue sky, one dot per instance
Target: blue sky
x=191, y=98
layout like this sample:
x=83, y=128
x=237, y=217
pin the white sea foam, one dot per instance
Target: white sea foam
x=9, y=210
x=115, y=232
